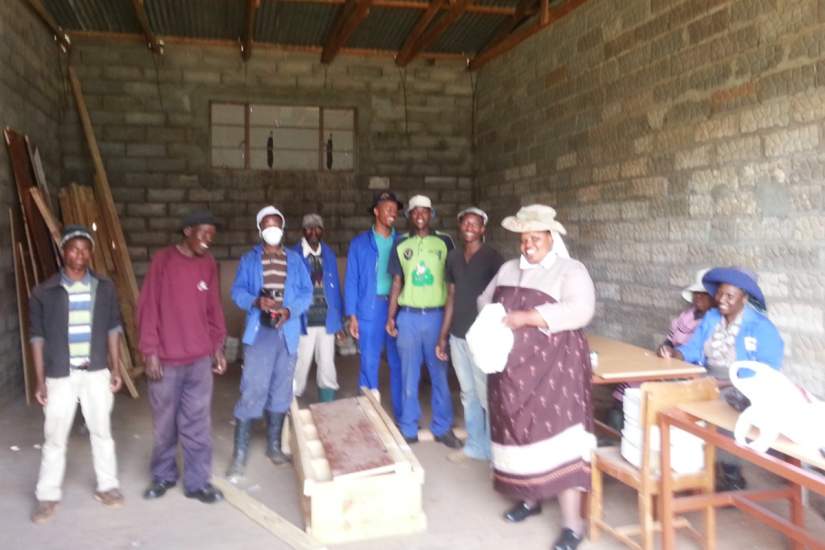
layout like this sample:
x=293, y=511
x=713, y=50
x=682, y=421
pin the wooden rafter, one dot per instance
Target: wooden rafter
x=524, y=10
x=152, y=42
x=59, y=34
x=415, y=5
x=423, y=37
x=351, y=14
x=406, y=51
x=249, y=28
x=546, y=17
x=94, y=36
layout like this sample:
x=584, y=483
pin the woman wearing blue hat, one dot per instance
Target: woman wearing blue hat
x=737, y=329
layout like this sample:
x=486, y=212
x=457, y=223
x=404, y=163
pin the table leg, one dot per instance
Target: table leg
x=666, y=493
x=797, y=509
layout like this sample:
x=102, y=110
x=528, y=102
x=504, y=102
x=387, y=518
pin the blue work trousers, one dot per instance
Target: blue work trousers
x=417, y=337
x=268, y=371
x=372, y=341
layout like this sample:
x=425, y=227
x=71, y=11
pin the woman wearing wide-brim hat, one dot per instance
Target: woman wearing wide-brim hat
x=540, y=406
x=737, y=329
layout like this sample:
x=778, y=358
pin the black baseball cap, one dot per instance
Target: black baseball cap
x=382, y=196
x=199, y=217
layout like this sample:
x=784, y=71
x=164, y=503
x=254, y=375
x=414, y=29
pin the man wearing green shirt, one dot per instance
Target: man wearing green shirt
x=418, y=295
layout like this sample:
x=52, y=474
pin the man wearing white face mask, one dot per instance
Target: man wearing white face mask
x=273, y=287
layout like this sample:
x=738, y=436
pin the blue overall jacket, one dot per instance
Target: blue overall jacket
x=360, y=297
x=297, y=294
x=758, y=339
x=332, y=288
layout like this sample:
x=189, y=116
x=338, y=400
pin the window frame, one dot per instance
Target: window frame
x=322, y=130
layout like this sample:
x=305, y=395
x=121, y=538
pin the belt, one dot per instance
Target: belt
x=84, y=366
x=420, y=310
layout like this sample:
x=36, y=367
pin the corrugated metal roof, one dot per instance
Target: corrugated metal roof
x=384, y=29
x=211, y=19
x=292, y=22
x=469, y=34
x=94, y=15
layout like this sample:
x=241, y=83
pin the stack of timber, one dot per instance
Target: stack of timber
x=358, y=478
x=35, y=253
x=35, y=235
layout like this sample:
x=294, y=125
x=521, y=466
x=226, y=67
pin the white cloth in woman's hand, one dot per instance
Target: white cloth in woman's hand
x=489, y=339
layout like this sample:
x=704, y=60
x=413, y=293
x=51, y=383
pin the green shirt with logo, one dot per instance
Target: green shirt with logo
x=421, y=261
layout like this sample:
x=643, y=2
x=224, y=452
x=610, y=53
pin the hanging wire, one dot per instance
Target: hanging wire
x=473, y=110
x=403, y=74
x=157, y=79
x=63, y=78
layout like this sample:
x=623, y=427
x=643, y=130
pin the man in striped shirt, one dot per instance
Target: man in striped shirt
x=75, y=327
x=272, y=285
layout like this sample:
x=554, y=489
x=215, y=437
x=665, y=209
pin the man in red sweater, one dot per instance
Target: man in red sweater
x=182, y=333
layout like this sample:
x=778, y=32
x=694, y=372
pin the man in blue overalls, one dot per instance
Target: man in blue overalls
x=366, y=296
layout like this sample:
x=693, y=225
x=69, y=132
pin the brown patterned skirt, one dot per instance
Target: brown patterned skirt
x=541, y=415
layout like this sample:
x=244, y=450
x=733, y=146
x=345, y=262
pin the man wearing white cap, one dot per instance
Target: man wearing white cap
x=273, y=287
x=418, y=295
x=322, y=320
x=468, y=273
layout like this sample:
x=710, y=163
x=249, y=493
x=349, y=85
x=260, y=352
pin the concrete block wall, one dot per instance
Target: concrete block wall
x=672, y=135
x=151, y=118
x=31, y=100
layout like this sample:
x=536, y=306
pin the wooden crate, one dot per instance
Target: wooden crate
x=357, y=507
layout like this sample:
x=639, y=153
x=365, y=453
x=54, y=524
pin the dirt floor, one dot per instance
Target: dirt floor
x=463, y=511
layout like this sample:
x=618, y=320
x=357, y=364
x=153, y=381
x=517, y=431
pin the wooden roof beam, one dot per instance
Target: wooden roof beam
x=546, y=17
x=152, y=42
x=416, y=5
x=59, y=34
x=423, y=38
x=349, y=17
x=249, y=28
x=405, y=53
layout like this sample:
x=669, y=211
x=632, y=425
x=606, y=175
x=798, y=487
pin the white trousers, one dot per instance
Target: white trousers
x=91, y=389
x=317, y=344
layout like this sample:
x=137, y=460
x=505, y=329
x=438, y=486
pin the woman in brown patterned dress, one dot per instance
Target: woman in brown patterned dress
x=540, y=408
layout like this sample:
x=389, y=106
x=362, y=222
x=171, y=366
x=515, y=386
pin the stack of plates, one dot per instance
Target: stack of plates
x=686, y=450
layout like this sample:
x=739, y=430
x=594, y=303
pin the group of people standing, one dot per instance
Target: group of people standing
x=411, y=296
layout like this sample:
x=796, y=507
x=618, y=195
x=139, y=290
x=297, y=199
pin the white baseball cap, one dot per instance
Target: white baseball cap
x=269, y=211
x=420, y=201
x=473, y=210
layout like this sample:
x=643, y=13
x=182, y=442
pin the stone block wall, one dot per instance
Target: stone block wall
x=31, y=100
x=151, y=118
x=672, y=135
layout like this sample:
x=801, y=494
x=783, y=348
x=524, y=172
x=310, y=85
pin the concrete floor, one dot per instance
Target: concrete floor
x=463, y=511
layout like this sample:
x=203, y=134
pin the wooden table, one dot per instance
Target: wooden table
x=621, y=362
x=718, y=414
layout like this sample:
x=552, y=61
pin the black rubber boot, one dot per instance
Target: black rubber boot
x=273, y=438
x=729, y=478
x=241, y=452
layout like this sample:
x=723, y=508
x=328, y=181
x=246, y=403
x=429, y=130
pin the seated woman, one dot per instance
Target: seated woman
x=735, y=330
x=683, y=326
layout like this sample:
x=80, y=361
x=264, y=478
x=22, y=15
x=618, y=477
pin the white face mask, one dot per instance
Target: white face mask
x=272, y=235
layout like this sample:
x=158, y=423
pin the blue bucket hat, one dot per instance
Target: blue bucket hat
x=742, y=279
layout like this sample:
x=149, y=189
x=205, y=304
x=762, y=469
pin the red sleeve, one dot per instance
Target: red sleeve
x=217, y=324
x=148, y=311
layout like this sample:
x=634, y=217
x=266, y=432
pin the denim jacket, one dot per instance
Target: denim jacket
x=360, y=297
x=758, y=339
x=297, y=294
x=332, y=288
